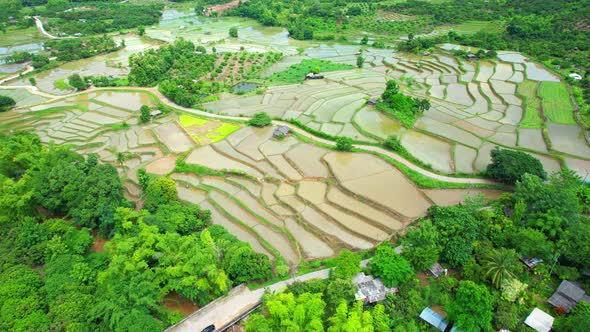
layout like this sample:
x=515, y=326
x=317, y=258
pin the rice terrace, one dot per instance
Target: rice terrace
x=252, y=145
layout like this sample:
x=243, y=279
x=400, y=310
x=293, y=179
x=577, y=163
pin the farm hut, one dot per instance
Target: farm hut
x=155, y=113
x=575, y=76
x=539, y=320
x=567, y=295
x=435, y=319
x=437, y=270
x=370, y=290
x=312, y=76
x=372, y=101
x=399, y=249
x=531, y=262
x=281, y=131
x=426, y=53
x=471, y=56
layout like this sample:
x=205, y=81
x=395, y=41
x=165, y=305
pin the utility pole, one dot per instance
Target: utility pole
x=554, y=262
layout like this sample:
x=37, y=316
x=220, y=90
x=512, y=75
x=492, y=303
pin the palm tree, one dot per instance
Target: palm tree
x=499, y=264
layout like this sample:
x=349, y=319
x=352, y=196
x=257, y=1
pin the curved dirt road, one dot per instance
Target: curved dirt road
x=28, y=69
x=41, y=29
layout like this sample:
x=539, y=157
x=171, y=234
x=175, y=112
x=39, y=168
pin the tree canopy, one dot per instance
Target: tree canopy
x=6, y=103
x=509, y=166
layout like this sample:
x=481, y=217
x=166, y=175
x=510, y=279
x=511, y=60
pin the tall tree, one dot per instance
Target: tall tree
x=423, y=248
x=500, y=264
x=347, y=265
x=392, y=268
x=509, y=166
x=472, y=308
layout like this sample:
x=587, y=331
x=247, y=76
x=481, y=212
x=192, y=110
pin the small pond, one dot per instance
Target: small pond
x=244, y=86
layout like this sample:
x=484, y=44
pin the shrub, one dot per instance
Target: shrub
x=144, y=115
x=392, y=268
x=509, y=166
x=76, y=82
x=343, y=144
x=393, y=143
x=6, y=103
x=360, y=61
x=260, y=120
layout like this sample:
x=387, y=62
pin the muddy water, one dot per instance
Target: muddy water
x=375, y=179
x=177, y=302
x=377, y=123
x=315, y=219
x=430, y=150
x=277, y=239
x=341, y=199
x=242, y=234
x=311, y=245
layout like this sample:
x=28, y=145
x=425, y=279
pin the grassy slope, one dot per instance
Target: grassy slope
x=532, y=117
x=296, y=73
x=557, y=105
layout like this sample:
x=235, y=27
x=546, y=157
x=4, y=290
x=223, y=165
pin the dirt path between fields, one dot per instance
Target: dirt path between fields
x=369, y=148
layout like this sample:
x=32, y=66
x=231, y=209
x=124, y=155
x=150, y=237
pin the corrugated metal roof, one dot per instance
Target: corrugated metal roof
x=539, y=320
x=433, y=318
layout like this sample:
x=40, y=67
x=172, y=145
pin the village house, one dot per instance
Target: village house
x=313, y=76
x=281, y=132
x=567, y=295
x=531, y=262
x=370, y=289
x=539, y=320
x=156, y=113
x=437, y=320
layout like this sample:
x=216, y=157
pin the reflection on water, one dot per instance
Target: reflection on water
x=115, y=64
x=12, y=68
x=31, y=48
x=244, y=86
x=204, y=30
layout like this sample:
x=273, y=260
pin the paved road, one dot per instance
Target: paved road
x=225, y=310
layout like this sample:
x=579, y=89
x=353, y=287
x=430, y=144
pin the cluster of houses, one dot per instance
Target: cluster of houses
x=568, y=294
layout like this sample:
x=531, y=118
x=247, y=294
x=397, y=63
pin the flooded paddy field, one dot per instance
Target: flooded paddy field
x=475, y=105
x=291, y=199
x=114, y=64
x=295, y=199
x=287, y=198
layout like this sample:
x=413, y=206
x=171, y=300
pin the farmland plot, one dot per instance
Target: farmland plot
x=473, y=104
x=327, y=201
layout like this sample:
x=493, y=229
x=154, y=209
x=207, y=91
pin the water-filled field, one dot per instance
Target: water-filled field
x=114, y=64
x=476, y=105
x=293, y=199
x=287, y=198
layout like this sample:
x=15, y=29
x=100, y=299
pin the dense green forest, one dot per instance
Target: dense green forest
x=487, y=287
x=83, y=17
x=79, y=48
x=54, y=203
x=323, y=20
